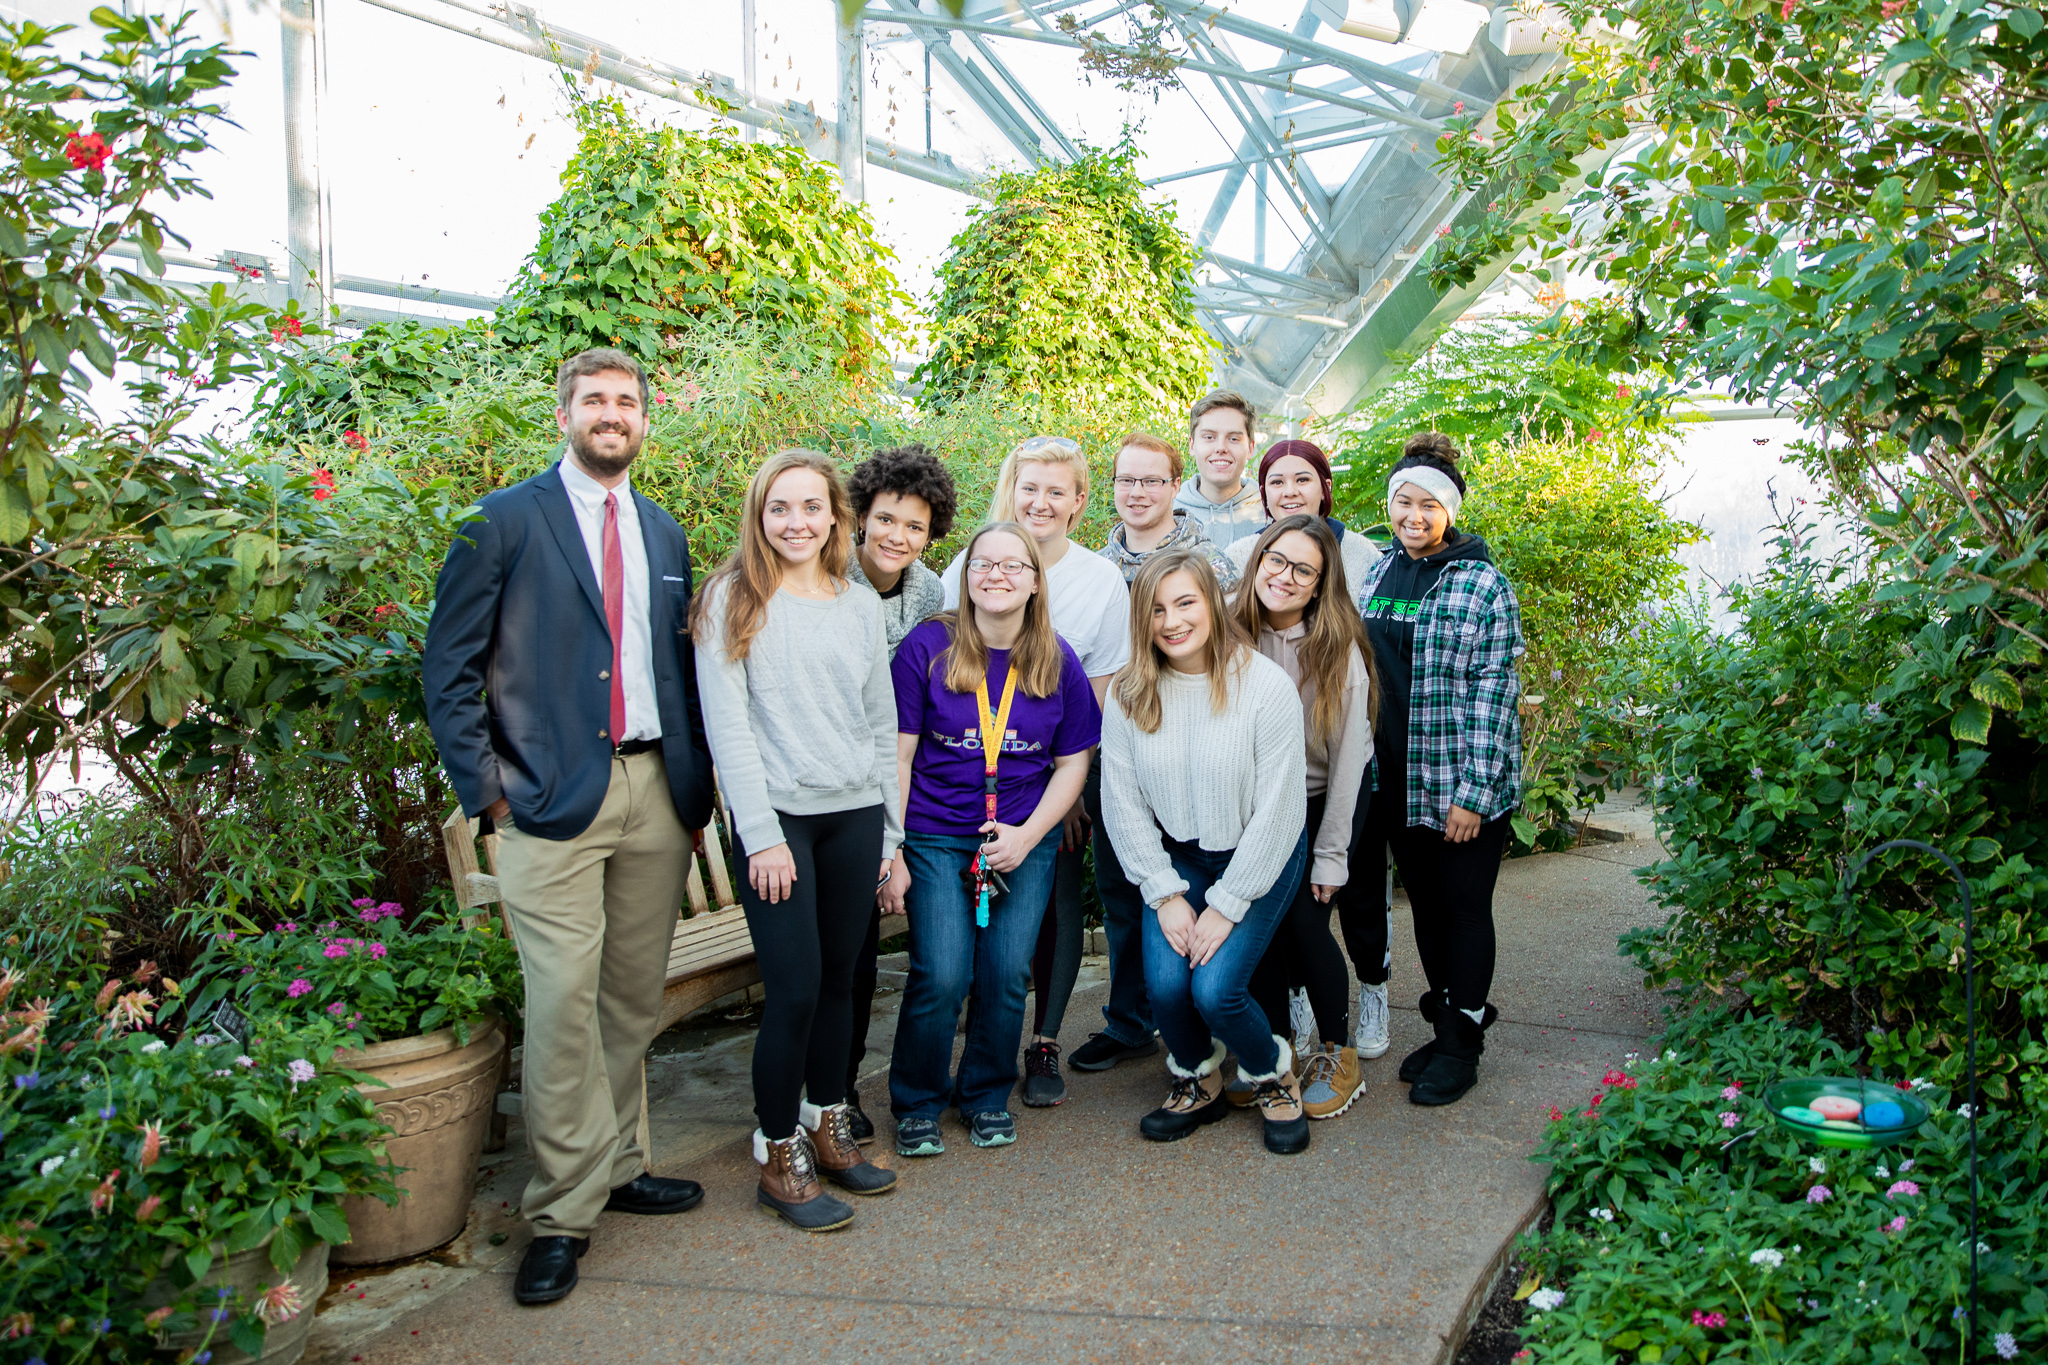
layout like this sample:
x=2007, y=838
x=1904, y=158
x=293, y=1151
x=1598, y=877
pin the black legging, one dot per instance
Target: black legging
x=806, y=947
x=1450, y=890
x=865, y=977
x=1303, y=953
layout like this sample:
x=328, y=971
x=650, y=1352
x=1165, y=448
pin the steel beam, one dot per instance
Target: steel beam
x=309, y=214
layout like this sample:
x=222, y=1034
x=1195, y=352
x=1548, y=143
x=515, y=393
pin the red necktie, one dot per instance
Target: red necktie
x=615, y=611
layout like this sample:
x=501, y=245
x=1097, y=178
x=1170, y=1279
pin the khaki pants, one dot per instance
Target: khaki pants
x=593, y=917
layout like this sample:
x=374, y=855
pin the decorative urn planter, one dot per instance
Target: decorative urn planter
x=251, y=1275
x=437, y=1098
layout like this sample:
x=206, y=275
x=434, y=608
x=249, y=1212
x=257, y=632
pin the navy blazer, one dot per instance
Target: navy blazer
x=516, y=657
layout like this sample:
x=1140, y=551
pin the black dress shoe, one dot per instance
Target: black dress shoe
x=655, y=1194
x=548, y=1270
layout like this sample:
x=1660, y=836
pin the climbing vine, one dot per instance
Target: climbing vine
x=1067, y=284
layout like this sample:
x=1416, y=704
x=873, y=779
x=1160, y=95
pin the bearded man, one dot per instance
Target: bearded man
x=562, y=692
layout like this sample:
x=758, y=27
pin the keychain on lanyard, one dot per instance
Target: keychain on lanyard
x=994, y=729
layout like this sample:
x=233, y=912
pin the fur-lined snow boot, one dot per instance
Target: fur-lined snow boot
x=1278, y=1096
x=1196, y=1098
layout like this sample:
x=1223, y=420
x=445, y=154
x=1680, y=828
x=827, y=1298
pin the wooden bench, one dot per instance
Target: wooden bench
x=711, y=955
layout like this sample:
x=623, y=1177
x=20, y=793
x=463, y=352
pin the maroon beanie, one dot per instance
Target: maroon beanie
x=1306, y=450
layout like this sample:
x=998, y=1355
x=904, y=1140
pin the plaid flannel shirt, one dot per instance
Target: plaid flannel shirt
x=1464, y=725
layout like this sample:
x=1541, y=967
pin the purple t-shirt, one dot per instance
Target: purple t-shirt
x=946, y=776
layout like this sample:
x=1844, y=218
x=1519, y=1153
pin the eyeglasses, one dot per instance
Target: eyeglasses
x=1008, y=568
x=1038, y=443
x=1130, y=481
x=1275, y=562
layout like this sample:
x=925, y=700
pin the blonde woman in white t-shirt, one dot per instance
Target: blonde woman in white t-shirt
x=1043, y=487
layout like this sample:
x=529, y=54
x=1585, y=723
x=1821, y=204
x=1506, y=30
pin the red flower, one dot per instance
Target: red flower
x=87, y=151
x=323, y=485
x=149, y=1208
x=289, y=325
x=355, y=440
x=1621, y=1080
x=1595, y=434
x=1555, y=1113
x=388, y=609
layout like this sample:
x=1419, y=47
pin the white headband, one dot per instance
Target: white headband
x=1434, y=482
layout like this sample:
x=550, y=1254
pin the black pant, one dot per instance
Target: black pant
x=806, y=946
x=1303, y=953
x=1450, y=890
x=865, y=976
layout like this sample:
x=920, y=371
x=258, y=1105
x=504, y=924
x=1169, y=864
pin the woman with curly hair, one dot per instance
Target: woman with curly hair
x=903, y=500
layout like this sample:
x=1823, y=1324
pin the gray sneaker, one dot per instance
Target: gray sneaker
x=919, y=1137
x=1301, y=1021
x=992, y=1129
x=1372, y=1038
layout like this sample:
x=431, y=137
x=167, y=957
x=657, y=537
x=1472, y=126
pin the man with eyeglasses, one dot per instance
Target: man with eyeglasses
x=1146, y=472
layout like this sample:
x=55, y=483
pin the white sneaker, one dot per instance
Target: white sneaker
x=1372, y=1021
x=1301, y=1018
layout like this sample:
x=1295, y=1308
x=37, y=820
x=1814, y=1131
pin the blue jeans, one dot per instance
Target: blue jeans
x=1195, y=1004
x=949, y=957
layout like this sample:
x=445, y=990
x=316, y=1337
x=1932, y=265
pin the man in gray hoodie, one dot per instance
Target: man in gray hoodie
x=1217, y=494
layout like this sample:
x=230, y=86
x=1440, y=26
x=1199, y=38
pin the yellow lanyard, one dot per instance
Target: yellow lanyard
x=994, y=728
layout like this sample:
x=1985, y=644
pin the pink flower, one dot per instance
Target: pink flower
x=103, y=1197
x=152, y=1144
x=1818, y=1194
x=298, y=988
x=150, y=1205
x=335, y=950
x=1905, y=1187
x=1892, y=7
x=1709, y=1320
x=337, y=1009
x=280, y=1303
x=1897, y=1224
x=1786, y=12
x=1733, y=1092
x=1458, y=108
x=660, y=397
x=1729, y=1118
x=378, y=950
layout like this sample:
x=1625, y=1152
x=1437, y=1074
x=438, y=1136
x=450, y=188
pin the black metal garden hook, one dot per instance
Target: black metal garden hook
x=1970, y=1036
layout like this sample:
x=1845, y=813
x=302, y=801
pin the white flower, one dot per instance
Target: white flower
x=1546, y=1300
x=153, y=1045
x=1768, y=1257
x=1670, y=1056
x=51, y=1165
x=1921, y=1083
x=1604, y=1215
x=1964, y=1111
x=1817, y=1164
x=1884, y=1172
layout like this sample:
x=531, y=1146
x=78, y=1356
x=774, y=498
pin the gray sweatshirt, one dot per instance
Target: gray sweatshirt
x=806, y=723
x=1232, y=780
x=918, y=595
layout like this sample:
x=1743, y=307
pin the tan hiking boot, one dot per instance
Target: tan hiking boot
x=840, y=1159
x=1279, y=1101
x=789, y=1184
x=1195, y=1098
x=1330, y=1081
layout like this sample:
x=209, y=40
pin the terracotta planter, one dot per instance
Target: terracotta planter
x=438, y=1103
x=250, y=1273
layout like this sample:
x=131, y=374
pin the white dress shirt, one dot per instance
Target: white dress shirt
x=636, y=651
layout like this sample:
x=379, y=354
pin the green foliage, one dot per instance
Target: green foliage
x=1864, y=1255
x=332, y=390
x=659, y=228
x=123, y=1159
x=402, y=977
x=1069, y=287
x=1824, y=726
x=1841, y=202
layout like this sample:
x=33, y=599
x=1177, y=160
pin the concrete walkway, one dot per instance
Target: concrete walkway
x=1082, y=1241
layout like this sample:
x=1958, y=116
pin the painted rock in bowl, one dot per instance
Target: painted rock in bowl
x=1799, y=1113
x=1835, y=1106
x=1846, y=1125
x=1884, y=1114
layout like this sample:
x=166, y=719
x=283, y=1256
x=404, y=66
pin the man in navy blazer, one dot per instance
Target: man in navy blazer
x=563, y=695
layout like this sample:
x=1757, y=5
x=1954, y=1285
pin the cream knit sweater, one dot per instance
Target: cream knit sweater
x=1230, y=780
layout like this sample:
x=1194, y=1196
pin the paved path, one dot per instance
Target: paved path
x=1081, y=1242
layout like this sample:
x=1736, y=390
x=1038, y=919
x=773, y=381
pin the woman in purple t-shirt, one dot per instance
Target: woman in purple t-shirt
x=995, y=666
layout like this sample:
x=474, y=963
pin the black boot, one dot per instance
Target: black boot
x=863, y=1126
x=1453, y=1067
x=1416, y=1062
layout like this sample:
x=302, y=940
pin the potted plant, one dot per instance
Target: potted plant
x=420, y=1001
x=168, y=1195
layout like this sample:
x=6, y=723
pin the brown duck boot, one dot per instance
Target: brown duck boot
x=1195, y=1098
x=789, y=1184
x=840, y=1159
x=1279, y=1101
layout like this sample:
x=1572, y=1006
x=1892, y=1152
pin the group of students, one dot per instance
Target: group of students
x=1243, y=707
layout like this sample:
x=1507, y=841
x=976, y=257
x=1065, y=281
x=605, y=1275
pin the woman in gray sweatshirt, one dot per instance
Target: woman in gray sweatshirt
x=793, y=669
x=1204, y=784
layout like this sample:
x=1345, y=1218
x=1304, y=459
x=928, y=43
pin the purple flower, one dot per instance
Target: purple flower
x=288, y=927
x=335, y=950
x=300, y=1070
x=1756, y=772
x=28, y=1080
x=1730, y=1118
x=299, y=987
x=1874, y=711
x=1818, y=1194
x=362, y=902
x=337, y=1009
x=2007, y=1348
x=378, y=950
x=1899, y=1187
x=107, y=1112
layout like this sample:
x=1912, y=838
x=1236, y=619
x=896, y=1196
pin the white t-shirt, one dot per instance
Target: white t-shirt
x=1091, y=607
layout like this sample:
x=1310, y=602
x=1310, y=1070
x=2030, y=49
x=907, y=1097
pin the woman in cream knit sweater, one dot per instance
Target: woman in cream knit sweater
x=1204, y=782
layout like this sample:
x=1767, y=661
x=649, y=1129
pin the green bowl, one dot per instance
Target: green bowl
x=1801, y=1091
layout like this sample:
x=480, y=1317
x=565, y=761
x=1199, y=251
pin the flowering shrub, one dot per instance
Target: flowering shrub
x=1824, y=726
x=1675, y=1239
x=129, y=1161
x=373, y=975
